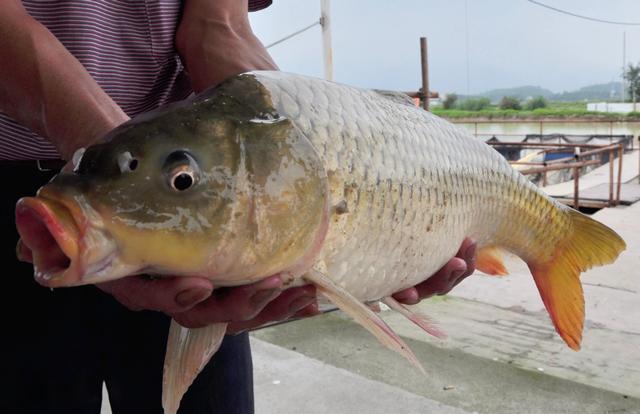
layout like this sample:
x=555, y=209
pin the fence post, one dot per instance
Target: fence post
x=576, y=188
x=620, y=155
x=611, y=177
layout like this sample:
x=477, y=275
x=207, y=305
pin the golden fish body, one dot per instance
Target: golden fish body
x=355, y=191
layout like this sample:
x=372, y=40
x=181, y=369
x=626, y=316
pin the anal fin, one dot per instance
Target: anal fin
x=188, y=351
x=362, y=314
x=490, y=261
x=422, y=321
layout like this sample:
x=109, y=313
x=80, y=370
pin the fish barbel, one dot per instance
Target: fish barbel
x=355, y=191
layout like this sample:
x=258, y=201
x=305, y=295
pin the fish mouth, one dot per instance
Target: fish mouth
x=65, y=247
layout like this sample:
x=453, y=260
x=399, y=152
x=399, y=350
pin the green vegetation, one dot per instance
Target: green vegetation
x=632, y=75
x=449, y=101
x=509, y=102
x=536, y=103
x=552, y=110
x=599, y=92
x=475, y=104
x=532, y=102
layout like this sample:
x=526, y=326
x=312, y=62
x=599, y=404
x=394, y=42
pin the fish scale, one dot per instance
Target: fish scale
x=381, y=147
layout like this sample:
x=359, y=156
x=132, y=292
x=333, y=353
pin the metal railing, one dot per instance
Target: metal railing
x=575, y=163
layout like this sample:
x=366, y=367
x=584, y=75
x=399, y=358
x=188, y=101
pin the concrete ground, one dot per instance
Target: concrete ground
x=502, y=354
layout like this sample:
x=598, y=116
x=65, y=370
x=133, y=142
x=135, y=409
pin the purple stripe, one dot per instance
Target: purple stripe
x=126, y=46
x=255, y=5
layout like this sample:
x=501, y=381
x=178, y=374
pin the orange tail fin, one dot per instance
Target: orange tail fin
x=589, y=244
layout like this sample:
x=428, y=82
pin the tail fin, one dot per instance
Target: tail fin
x=589, y=244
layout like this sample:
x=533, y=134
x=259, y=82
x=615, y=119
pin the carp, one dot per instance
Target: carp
x=355, y=191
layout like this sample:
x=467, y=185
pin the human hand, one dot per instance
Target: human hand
x=215, y=41
x=193, y=302
x=445, y=279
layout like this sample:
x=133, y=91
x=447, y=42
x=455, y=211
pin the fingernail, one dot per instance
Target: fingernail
x=300, y=303
x=263, y=296
x=191, y=297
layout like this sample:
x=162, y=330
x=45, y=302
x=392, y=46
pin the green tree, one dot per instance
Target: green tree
x=450, y=101
x=475, y=104
x=536, y=103
x=632, y=75
x=509, y=102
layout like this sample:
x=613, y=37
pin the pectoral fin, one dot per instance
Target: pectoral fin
x=361, y=314
x=188, y=351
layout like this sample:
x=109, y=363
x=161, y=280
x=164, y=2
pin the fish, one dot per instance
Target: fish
x=355, y=191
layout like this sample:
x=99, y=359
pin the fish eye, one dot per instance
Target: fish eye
x=182, y=170
x=126, y=162
x=182, y=180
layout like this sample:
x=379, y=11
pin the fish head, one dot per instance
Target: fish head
x=219, y=186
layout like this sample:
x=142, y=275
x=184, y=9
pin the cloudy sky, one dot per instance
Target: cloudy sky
x=510, y=42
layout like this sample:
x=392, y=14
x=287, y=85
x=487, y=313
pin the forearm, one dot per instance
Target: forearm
x=215, y=41
x=46, y=89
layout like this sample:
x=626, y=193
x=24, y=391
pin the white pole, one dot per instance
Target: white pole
x=325, y=21
x=466, y=39
x=624, y=63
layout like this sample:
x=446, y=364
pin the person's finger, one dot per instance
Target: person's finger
x=309, y=310
x=468, y=252
x=408, y=296
x=289, y=303
x=232, y=304
x=443, y=280
x=167, y=294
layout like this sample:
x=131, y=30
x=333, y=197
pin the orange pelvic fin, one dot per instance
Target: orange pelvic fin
x=490, y=261
x=588, y=244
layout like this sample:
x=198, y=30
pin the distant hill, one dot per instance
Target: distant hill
x=599, y=92
x=520, y=92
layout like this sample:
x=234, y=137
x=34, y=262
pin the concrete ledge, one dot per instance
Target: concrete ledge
x=288, y=382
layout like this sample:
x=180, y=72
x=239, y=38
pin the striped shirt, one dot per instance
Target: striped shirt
x=126, y=46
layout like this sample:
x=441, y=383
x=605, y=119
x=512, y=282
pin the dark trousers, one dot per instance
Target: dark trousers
x=58, y=346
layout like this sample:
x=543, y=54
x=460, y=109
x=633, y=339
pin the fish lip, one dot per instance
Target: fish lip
x=70, y=231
